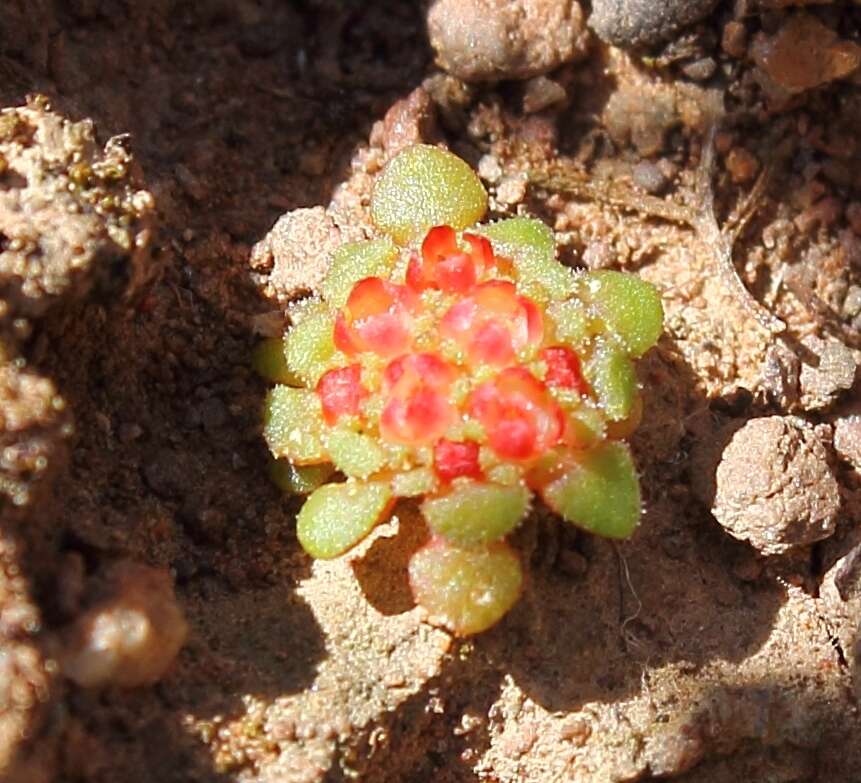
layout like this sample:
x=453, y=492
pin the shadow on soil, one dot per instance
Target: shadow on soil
x=595, y=615
x=236, y=113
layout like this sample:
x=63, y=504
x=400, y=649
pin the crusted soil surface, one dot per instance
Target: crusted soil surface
x=171, y=138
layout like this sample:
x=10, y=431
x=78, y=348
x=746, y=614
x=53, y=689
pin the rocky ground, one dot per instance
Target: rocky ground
x=171, y=174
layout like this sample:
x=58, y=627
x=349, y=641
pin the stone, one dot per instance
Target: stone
x=493, y=40
x=631, y=23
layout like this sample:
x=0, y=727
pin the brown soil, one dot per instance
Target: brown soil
x=681, y=653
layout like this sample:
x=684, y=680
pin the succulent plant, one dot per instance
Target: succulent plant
x=462, y=365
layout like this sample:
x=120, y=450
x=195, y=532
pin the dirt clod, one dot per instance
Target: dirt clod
x=835, y=373
x=294, y=256
x=73, y=216
x=847, y=438
x=491, y=40
x=775, y=488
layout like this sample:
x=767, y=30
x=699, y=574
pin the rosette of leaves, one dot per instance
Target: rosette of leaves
x=461, y=364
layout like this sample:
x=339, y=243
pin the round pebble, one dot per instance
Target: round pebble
x=493, y=40
x=631, y=23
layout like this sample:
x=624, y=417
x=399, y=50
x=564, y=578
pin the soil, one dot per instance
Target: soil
x=131, y=417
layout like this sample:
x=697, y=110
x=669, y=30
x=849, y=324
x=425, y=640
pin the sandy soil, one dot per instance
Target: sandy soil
x=132, y=415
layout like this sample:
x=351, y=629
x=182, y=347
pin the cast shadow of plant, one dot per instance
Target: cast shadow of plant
x=595, y=614
x=591, y=622
x=169, y=466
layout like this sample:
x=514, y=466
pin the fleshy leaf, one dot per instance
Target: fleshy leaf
x=269, y=362
x=571, y=320
x=530, y=244
x=476, y=512
x=468, y=589
x=600, y=493
x=611, y=374
x=353, y=453
x=309, y=346
x=300, y=479
x=629, y=307
x=584, y=426
x=413, y=483
x=337, y=516
x=423, y=187
x=355, y=261
x=292, y=425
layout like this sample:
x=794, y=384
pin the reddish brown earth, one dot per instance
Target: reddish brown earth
x=133, y=290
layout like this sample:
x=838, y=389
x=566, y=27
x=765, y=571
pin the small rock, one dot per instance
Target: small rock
x=409, y=121
x=734, y=39
x=847, y=574
x=130, y=637
x=542, y=92
x=576, y=731
x=491, y=40
x=852, y=303
x=129, y=432
x=780, y=373
x=572, y=563
x=675, y=750
x=820, y=386
x=824, y=212
x=489, y=169
x=630, y=23
x=641, y=116
x=741, y=165
x=451, y=97
x=649, y=177
x=847, y=439
x=774, y=487
x=802, y=54
x=512, y=189
x=700, y=70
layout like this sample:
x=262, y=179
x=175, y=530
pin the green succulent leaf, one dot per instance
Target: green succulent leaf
x=337, y=516
x=353, y=453
x=475, y=512
x=292, y=425
x=572, y=322
x=611, y=375
x=269, y=362
x=354, y=262
x=601, y=493
x=309, y=346
x=629, y=307
x=586, y=425
x=413, y=483
x=468, y=589
x=530, y=244
x=300, y=479
x=423, y=187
